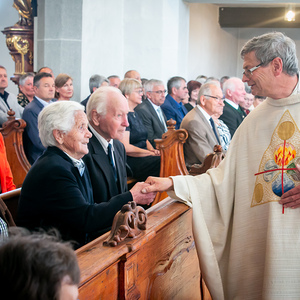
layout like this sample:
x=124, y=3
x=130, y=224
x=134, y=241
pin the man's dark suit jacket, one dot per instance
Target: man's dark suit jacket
x=151, y=120
x=55, y=195
x=105, y=189
x=85, y=101
x=32, y=144
x=232, y=118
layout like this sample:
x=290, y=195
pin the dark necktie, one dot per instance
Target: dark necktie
x=212, y=123
x=111, y=161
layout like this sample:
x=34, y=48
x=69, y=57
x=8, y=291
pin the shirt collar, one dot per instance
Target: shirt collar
x=234, y=105
x=74, y=160
x=206, y=115
x=156, y=107
x=104, y=143
x=179, y=105
x=43, y=102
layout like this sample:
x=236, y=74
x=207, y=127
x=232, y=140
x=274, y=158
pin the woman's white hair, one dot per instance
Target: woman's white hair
x=59, y=115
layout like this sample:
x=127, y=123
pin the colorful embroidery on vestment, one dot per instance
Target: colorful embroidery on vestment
x=277, y=173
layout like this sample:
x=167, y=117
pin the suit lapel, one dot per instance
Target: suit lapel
x=153, y=112
x=102, y=161
x=209, y=130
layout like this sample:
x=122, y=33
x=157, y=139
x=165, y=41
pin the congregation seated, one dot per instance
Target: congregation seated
x=26, y=89
x=57, y=190
x=95, y=81
x=37, y=266
x=223, y=130
x=106, y=160
x=44, y=89
x=150, y=111
x=233, y=115
x=201, y=128
x=142, y=158
x=63, y=87
x=193, y=88
x=7, y=100
x=173, y=107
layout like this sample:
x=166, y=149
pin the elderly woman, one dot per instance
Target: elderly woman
x=57, y=190
x=142, y=158
x=193, y=88
x=63, y=87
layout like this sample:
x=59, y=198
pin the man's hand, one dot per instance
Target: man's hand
x=158, y=184
x=139, y=197
x=291, y=198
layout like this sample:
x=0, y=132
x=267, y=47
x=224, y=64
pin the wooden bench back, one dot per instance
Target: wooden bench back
x=12, y=131
x=11, y=200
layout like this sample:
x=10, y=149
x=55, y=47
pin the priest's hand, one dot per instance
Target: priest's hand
x=291, y=198
x=158, y=184
x=139, y=197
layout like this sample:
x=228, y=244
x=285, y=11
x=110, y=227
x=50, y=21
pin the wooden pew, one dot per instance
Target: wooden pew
x=161, y=263
x=11, y=199
x=12, y=131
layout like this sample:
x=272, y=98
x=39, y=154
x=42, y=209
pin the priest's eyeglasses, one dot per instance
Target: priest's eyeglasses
x=248, y=73
x=217, y=98
x=160, y=92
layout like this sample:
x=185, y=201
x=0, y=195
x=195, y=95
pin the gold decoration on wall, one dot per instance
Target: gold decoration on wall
x=19, y=39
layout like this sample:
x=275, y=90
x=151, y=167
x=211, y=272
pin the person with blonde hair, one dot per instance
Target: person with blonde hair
x=142, y=158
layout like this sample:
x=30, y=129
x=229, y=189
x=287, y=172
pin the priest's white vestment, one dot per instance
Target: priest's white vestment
x=248, y=247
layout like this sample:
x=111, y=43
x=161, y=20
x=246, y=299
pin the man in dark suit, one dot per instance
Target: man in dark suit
x=57, y=190
x=203, y=133
x=150, y=111
x=107, y=112
x=173, y=107
x=44, y=89
x=233, y=114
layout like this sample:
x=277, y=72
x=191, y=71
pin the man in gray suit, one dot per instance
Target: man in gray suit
x=7, y=100
x=149, y=110
x=203, y=134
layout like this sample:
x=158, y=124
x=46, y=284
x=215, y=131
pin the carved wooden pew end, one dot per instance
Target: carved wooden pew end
x=129, y=222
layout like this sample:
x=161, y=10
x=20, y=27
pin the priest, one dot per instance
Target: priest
x=246, y=231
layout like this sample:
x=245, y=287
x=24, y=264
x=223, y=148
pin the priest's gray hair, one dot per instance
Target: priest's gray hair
x=271, y=45
x=206, y=89
x=99, y=99
x=150, y=84
x=59, y=115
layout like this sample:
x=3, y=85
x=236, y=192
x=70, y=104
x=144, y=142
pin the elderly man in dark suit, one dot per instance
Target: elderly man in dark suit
x=203, y=134
x=57, y=191
x=150, y=111
x=44, y=88
x=107, y=112
x=233, y=114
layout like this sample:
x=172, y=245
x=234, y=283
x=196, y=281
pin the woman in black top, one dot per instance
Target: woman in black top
x=142, y=158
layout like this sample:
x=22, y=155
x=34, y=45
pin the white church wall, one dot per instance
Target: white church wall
x=212, y=50
x=150, y=36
